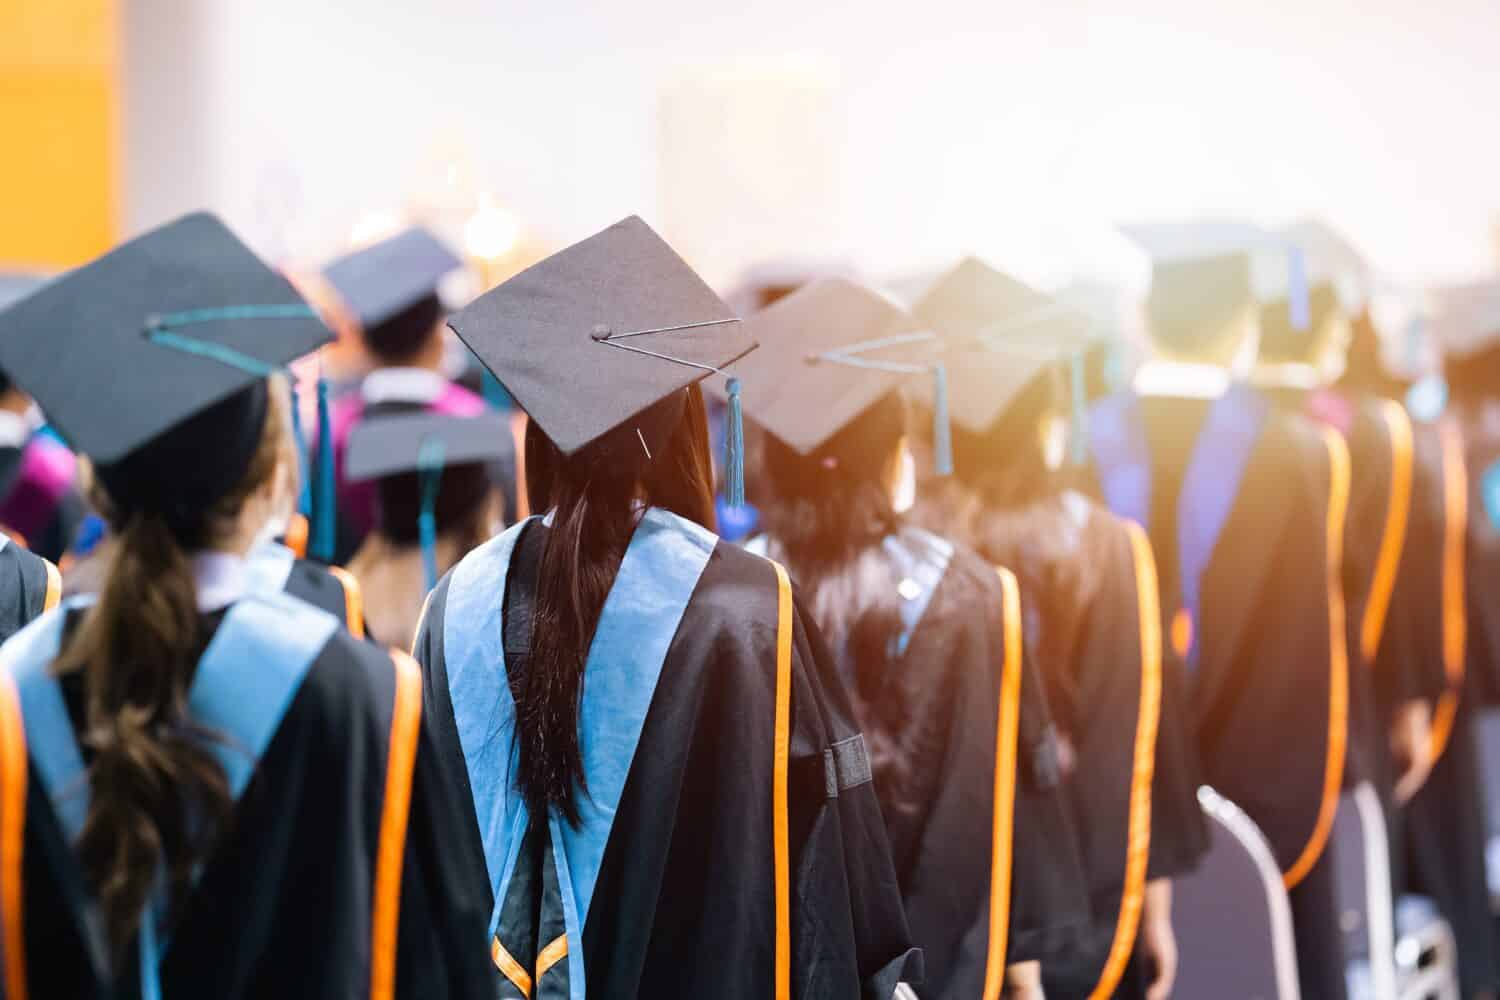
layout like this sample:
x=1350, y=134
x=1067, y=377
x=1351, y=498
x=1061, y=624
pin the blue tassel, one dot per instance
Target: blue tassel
x=324, y=498
x=494, y=393
x=734, y=457
x=430, y=480
x=304, y=481
x=942, y=437
x=1078, y=433
x=1296, y=290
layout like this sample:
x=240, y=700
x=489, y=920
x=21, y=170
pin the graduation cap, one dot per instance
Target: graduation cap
x=379, y=282
x=152, y=360
x=829, y=351
x=1204, y=275
x=601, y=331
x=1465, y=320
x=426, y=444
x=1005, y=332
x=1331, y=255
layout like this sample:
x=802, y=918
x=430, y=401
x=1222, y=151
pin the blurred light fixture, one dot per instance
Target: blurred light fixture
x=491, y=232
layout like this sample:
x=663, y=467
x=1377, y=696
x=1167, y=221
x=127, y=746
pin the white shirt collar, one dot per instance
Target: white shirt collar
x=1190, y=379
x=17, y=428
x=402, y=385
x=222, y=579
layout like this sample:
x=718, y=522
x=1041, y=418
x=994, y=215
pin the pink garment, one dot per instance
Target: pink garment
x=1331, y=407
x=357, y=501
x=46, y=475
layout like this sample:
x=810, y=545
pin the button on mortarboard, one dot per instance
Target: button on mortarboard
x=82, y=345
x=601, y=331
x=378, y=282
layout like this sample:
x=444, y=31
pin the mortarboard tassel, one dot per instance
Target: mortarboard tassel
x=304, y=480
x=734, y=451
x=430, y=479
x=942, y=437
x=1078, y=432
x=1296, y=290
x=494, y=393
x=324, y=498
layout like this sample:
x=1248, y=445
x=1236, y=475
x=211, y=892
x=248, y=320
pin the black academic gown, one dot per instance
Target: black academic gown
x=1085, y=585
x=29, y=585
x=331, y=588
x=683, y=905
x=284, y=905
x=1444, y=822
x=1268, y=690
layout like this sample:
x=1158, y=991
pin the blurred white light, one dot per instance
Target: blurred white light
x=372, y=227
x=491, y=232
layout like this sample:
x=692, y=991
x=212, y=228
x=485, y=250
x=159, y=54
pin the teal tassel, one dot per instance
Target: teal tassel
x=1078, y=433
x=430, y=480
x=942, y=436
x=734, y=458
x=304, y=481
x=324, y=499
x=1296, y=290
x=494, y=393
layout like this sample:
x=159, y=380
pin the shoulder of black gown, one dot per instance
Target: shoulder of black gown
x=331, y=588
x=29, y=585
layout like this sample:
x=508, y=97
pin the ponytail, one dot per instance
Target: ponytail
x=594, y=495
x=157, y=792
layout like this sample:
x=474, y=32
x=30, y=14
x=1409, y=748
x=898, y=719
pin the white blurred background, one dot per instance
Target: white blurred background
x=887, y=137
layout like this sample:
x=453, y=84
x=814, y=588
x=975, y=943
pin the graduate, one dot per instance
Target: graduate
x=437, y=503
x=1088, y=584
x=1245, y=508
x=1304, y=337
x=41, y=504
x=207, y=791
x=1445, y=820
x=391, y=291
x=926, y=638
x=668, y=796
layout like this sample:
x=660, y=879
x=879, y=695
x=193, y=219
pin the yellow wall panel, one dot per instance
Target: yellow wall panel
x=59, y=119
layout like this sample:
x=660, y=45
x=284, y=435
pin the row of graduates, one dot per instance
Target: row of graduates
x=968, y=737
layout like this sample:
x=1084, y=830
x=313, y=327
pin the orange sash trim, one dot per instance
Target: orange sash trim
x=781, y=835
x=296, y=535
x=1338, y=660
x=13, y=766
x=54, y=586
x=510, y=968
x=551, y=955
x=406, y=719
x=1455, y=618
x=1148, y=716
x=1393, y=539
x=354, y=601
x=1003, y=823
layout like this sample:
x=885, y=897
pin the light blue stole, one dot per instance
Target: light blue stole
x=657, y=577
x=253, y=668
x=1210, y=484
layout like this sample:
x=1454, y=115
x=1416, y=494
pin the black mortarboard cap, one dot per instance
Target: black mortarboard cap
x=387, y=445
x=828, y=352
x=601, y=331
x=168, y=337
x=999, y=334
x=379, y=282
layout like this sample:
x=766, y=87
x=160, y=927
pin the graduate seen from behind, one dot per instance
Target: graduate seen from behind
x=667, y=794
x=438, y=502
x=1245, y=508
x=208, y=790
x=926, y=637
x=1089, y=589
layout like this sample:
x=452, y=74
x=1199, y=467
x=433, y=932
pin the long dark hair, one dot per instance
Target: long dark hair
x=156, y=790
x=826, y=518
x=594, y=495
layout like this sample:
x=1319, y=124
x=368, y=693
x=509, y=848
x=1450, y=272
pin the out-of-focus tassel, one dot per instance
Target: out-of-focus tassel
x=942, y=435
x=734, y=451
x=1078, y=432
x=304, y=479
x=324, y=498
x=430, y=479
